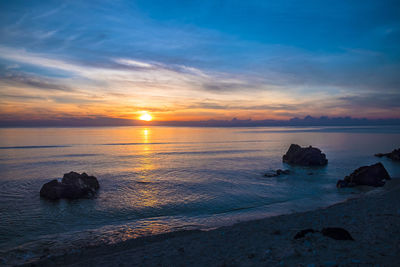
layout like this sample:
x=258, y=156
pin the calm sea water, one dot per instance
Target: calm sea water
x=161, y=179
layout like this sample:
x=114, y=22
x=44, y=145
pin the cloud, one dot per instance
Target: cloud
x=20, y=97
x=50, y=12
x=20, y=79
x=126, y=85
x=153, y=76
x=247, y=105
x=199, y=61
x=135, y=63
x=12, y=66
x=376, y=100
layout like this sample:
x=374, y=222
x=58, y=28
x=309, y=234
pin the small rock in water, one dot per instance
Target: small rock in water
x=276, y=173
x=394, y=155
x=337, y=233
x=279, y=171
x=303, y=233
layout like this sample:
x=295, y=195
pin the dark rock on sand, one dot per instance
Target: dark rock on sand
x=394, y=155
x=305, y=156
x=303, y=233
x=276, y=173
x=373, y=175
x=337, y=233
x=332, y=232
x=72, y=186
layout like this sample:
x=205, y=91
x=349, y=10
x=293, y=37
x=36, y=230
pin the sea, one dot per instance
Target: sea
x=157, y=180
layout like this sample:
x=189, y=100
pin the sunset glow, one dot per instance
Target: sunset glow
x=78, y=62
x=146, y=117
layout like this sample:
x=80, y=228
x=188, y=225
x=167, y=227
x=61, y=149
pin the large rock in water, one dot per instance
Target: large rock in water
x=306, y=156
x=72, y=186
x=374, y=175
x=394, y=155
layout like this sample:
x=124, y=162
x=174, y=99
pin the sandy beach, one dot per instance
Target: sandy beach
x=373, y=220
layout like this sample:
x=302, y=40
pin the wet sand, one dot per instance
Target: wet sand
x=373, y=220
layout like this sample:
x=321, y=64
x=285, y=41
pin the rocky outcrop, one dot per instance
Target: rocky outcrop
x=276, y=173
x=394, y=155
x=305, y=156
x=72, y=186
x=373, y=175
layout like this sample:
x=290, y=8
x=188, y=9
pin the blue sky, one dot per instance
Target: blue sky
x=191, y=60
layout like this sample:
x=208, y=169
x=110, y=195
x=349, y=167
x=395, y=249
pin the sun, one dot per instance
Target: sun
x=145, y=117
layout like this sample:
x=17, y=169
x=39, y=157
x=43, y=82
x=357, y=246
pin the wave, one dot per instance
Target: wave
x=366, y=129
x=176, y=143
x=75, y=155
x=32, y=147
x=208, y=152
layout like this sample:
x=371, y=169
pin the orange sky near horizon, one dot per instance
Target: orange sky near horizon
x=168, y=93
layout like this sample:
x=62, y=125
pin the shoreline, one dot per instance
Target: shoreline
x=373, y=219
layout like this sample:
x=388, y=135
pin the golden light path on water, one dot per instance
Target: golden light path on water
x=149, y=195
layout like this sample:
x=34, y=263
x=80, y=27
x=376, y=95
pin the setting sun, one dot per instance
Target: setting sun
x=146, y=117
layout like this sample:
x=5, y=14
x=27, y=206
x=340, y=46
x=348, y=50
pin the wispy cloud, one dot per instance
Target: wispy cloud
x=135, y=63
x=19, y=79
x=136, y=82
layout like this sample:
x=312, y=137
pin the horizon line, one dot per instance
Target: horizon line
x=109, y=122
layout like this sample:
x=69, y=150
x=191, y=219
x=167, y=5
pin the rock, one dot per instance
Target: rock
x=374, y=175
x=343, y=183
x=279, y=172
x=337, y=233
x=72, y=186
x=276, y=173
x=394, y=155
x=82, y=180
x=332, y=232
x=52, y=190
x=303, y=233
x=305, y=156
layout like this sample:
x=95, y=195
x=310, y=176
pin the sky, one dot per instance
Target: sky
x=199, y=60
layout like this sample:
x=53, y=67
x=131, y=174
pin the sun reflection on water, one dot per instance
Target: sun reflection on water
x=147, y=160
